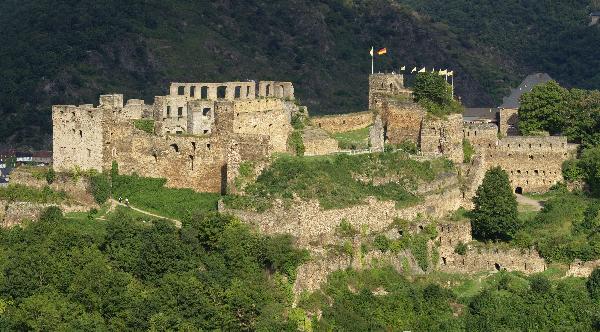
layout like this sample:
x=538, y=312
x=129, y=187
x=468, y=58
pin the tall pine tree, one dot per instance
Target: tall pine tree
x=495, y=214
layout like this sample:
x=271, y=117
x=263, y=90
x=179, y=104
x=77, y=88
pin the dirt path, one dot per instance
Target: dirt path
x=523, y=200
x=177, y=222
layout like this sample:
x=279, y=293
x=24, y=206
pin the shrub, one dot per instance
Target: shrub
x=100, y=187
x=382, y=243
x=345, y=229
x=50, y=175
x=296, y=142
x=468, y=151
x=146, y=125
x=572, y=171
x=593, y=284
x=460, y=249
x=408, y=147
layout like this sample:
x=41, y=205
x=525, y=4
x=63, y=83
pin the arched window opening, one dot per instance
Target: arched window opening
x=175, y=147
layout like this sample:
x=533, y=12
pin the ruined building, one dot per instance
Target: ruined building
x=199, y=132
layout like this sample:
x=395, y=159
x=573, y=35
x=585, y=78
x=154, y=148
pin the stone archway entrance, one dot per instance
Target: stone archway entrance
x=519, y=190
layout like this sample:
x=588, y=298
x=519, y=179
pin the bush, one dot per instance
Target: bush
x=461, y=248
x=572, y=171
x=21, y=193
x=146, y=125
x=296, y=142
x=382, y=243
x=468, y=151
x=100, y=187
x=50, y=175
x=593, y=284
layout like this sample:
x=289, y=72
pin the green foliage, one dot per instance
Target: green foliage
x=408, y=146
x=298, y=121
x=296, y=142
x=150, y=194
x=593, y=284
x=460, y=248
x=21, y=193
x=332, y=180
x=554, y=109
x=213, y=274
x=468, y=151
x=566, y=229
x=114, y=170
x=495, y=214
x=381, y=242
x=354, y=139
x=590, y=164
x=432, y=87
x=571, y=170
x=146, y=125
x=100, y=188
x=345, y=229
x=50, y=175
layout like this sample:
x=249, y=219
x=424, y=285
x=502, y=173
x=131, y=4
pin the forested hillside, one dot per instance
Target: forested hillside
x=71, y=51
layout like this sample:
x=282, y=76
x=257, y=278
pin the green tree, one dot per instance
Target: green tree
x=544, y=109
x=495, y=214
x=100, y=188
x=590, y=164
x=593, y=284
x=432, y=87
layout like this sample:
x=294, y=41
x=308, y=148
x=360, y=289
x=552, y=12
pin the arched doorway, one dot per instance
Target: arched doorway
x=519, y=190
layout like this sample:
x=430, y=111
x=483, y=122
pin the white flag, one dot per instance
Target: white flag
x=451, y=73
x=422, y=70
x=413, y=70
x=443, y=72
x=403, y=68
x=371, y=51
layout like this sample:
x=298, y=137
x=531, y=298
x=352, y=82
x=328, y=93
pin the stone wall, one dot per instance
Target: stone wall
x=582, y=269
x=508, y=122
x=482, y=259
x=317, y=142
x=307, y=221
x=78, y=189
x=14, y=213
x=77, y=137
x=343, y=122
x=402, y=122
x=533, y=164
x=383, y=87
x=443, y=136
x=481, y=135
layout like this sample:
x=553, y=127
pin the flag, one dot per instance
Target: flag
x=443, y=72
x=414, y=70
x=371, y=51
x=451, y=73
x=382, y=51
x=403, y=68
x=422, y=70
x=433, y=70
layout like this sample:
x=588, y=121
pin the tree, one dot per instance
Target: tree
x=590, y=164
x=593, y=284
x=543, y=109
x=433, y=87
x=495, y=214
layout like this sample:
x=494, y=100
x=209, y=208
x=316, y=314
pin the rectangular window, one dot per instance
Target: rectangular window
x=192, y=91
x=168, y=111
x=181, y=90
x=206, y=111
x=179, y=111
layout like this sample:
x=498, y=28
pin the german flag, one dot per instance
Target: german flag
x=382, y=51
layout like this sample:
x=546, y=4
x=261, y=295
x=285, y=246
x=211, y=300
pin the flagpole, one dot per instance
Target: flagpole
x=452, y=85
x=372, y=64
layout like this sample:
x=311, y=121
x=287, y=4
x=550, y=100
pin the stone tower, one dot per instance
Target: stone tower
x=384, y=87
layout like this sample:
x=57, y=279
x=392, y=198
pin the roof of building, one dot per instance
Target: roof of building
x=596, y=13
x=512, y=100
x=42, y=154
x=480, y=113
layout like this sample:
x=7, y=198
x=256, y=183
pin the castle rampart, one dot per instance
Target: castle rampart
x=343, y=122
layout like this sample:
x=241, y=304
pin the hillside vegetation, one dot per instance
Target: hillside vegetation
x=66, y=52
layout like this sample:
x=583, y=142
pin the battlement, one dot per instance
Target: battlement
x=534, y=143
x=233, y=90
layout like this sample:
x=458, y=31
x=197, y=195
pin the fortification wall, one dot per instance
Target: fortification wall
x=200, y=117
x=317, y=142
x=582, y=269
x=402, y=122
x=307, y=221
x=481, y=135
x=78, y=188
x=185, y=161
x=76, y=137
x=383, y=87
x=443, y=136
x=343, y=122
x=482, y=259
x=533, y=164
x=14, y=213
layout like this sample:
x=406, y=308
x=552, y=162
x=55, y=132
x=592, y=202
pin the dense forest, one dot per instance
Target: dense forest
x=215, y=273
x=56, y=52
